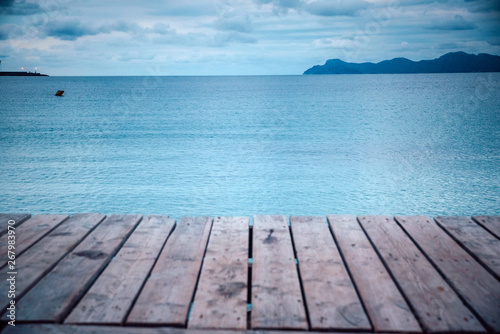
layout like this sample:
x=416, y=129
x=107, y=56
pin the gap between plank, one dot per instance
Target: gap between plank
x=199, y=272
x=403, y=294
x=485, y=227
x=49, y=269
x=466, y=249
x=88, y=285
x=349, y=273
x=300, y=277
x=249, y=273
x=148, y=275
x=452, y=286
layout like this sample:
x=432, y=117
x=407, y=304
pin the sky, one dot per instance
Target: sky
x=235, y=37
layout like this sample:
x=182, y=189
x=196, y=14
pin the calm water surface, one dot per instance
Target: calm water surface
x=295, y=145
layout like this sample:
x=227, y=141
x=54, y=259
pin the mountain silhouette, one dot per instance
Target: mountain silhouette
x=453, y=62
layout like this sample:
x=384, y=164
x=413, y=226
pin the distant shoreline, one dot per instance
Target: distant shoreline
x=453, y=62
x=22, y=74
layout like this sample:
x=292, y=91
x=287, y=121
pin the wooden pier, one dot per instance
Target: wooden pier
x=88, y=273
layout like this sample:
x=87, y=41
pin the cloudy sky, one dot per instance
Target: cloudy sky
x=235, y=37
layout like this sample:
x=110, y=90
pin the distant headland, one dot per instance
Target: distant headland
x=453, y=62
x=22, y=74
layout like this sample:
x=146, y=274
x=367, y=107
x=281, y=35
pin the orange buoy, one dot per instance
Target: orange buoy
x=59, y=93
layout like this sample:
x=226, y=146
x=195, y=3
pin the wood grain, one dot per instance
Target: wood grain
x=330, y=295
x=478, y=241
x=45, y=254
x=436, y=304
x=29, y=233
x=61, y=288
x=386, y=307
x=111, y=296
x=221, y=297
x=167, y=294
x=19, y=218
x=491, y=223
x=475, y=284
x=72, y=329
x=276, y=294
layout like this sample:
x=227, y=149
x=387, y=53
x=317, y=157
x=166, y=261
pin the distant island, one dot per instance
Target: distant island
x=453, y=62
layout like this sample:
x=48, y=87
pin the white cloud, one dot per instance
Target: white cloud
x=234, y=20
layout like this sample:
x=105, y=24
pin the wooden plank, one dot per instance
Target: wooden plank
x=386, y=307
x=491, y=223
x=478, y=241
x=167, y=294
x=60, y=289
x=112, y=295
x=475, y=284
x=19, y=218
x=276, y=295
x=330, y=295
x=436, y=304
x=221, y=297
x=44, y=255
x=29, y=233
x=73, y=329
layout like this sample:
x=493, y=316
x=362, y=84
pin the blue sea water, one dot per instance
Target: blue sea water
x=294, y=145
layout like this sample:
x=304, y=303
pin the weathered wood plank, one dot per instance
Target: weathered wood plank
x=167, y=294
x=45, y=254
x=474, y=283
x=330, y=295
x=386, y=307
x=111, y=296
x=19, y=218
x=276, y=295
x=436, y=304
x=73, y=329
x=221, y=297
x=491, y=223
x=477, y=240
x=29, y=233
x=61, y=288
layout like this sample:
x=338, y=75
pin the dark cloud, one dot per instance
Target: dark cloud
x=72, y=30
x=336, y=8
x=10, y=7
x=449, y=46
x=6, y=3
x=457, y=23
x=234, y=20
x=477, y=6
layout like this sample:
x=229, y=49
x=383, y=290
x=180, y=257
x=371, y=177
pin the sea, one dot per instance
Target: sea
x=396, y=144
